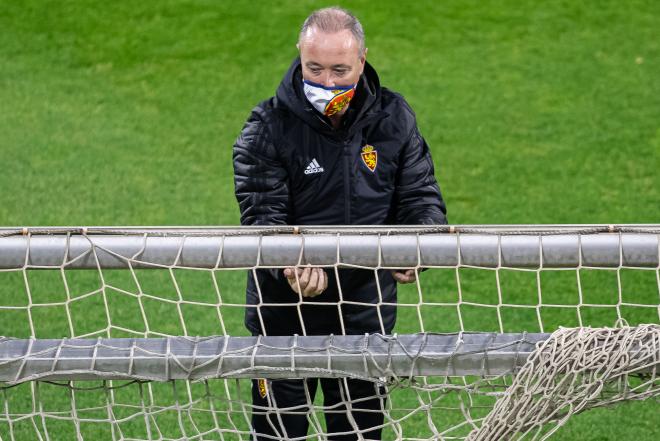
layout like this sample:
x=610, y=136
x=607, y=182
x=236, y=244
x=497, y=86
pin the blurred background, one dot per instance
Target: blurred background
x=124, y=113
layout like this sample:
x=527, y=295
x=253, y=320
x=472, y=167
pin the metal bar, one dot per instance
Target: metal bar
x=142, y=250
x=162, y=359
x=332, y=229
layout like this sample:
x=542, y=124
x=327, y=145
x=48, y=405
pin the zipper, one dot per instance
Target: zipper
x=347, y=159
x=347, y=155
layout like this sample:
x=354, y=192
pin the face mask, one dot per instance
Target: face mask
x=328, y=100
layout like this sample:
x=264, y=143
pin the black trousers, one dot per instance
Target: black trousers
x=281, y=409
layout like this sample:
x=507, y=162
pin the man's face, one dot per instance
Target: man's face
x=331, y=59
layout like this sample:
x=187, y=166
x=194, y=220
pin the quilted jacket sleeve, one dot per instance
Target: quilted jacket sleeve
x=260, y=179
x=417, y=194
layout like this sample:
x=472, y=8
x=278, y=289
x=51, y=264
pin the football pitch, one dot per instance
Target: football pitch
x=125, y=114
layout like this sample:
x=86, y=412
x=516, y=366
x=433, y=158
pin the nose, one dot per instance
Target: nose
x=328, y=81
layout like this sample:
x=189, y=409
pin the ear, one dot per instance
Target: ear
x=363, y=59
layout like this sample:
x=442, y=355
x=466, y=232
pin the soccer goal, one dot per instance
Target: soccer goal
x=137, y=333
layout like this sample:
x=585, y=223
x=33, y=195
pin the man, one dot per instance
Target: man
x=332, y=147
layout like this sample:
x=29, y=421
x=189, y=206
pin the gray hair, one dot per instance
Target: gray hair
x=335, y=19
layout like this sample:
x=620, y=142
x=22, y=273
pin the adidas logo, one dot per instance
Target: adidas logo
x=313, y=167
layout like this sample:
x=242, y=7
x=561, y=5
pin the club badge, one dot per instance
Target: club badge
x=370, y=157
x=263, y=387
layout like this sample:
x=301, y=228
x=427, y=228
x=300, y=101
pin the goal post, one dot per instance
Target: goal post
x=136, y=332
x=186, y=358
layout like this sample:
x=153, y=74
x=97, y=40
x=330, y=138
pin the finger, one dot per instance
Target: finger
x=291, y=272
x=397, y=275
x=294, y=281
x=301, y=280
x=312, y=286
x=304, y=277
x=324, y=280
x=410, y=276
x=406, y=276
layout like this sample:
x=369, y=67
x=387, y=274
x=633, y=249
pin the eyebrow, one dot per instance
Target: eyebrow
x=312, y=64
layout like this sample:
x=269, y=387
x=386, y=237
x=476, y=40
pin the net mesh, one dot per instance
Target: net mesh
x=574, y=370
x=577, y=368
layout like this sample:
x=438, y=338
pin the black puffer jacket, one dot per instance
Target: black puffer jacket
x=291, y=167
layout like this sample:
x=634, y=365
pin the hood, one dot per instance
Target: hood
x=364, y=105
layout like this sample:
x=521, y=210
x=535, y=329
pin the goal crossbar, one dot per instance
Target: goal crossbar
x=387, y=249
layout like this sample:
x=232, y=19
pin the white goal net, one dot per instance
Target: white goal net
x=138, y=333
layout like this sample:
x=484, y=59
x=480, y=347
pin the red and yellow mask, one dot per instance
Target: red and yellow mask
x=328, y=100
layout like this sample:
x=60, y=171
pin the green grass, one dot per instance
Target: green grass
x=125, y=114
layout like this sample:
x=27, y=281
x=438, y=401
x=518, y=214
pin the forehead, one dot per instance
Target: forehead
x=323, y=47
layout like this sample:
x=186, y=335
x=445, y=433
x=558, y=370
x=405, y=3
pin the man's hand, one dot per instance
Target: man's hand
x=404, y=276
x=309, y=282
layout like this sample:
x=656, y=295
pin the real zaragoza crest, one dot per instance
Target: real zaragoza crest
x=370, y=157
